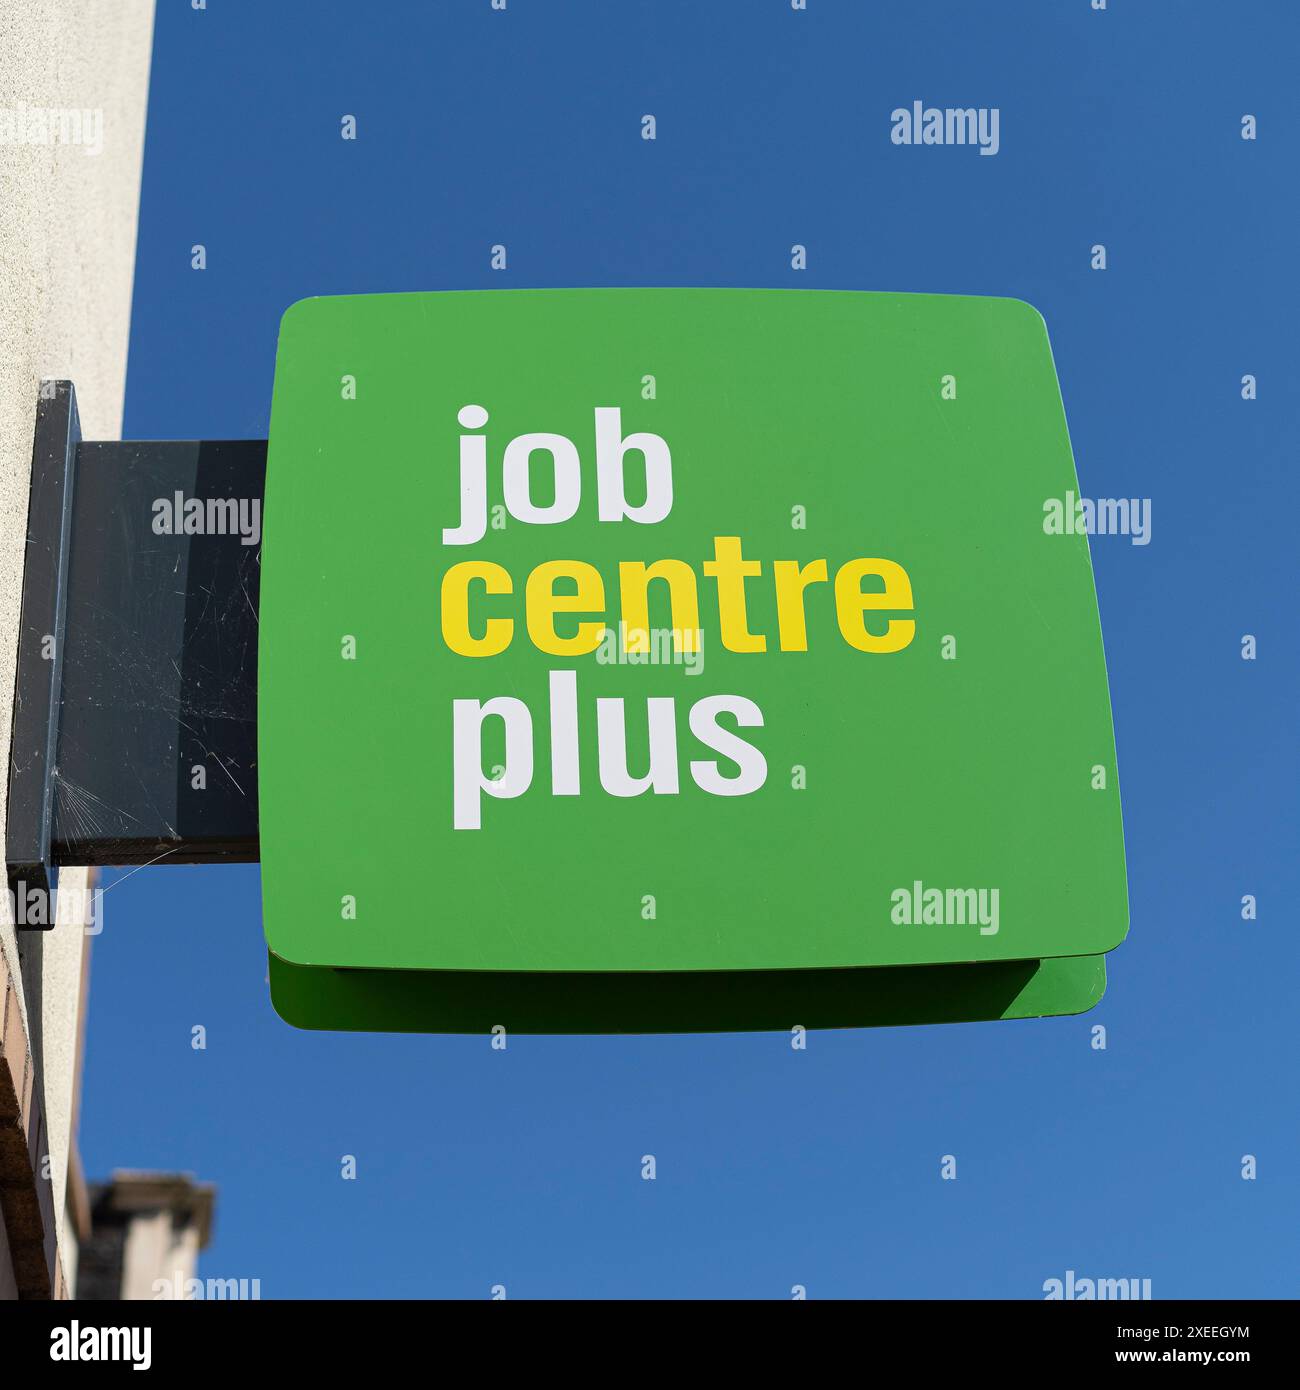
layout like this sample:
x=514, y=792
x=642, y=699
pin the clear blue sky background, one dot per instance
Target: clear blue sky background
x=775, y=1167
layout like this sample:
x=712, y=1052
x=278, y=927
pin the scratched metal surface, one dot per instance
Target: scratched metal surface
x=160, y=662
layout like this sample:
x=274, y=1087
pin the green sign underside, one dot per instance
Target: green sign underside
x=386, y=1001
x=977, y=759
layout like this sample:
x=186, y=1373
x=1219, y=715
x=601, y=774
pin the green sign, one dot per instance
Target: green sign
x=686, y=1001
x=639, y=631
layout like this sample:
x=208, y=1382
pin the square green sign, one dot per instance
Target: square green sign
x=678, y=630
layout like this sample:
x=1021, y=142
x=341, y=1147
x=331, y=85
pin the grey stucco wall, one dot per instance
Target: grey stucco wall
x=69, y=197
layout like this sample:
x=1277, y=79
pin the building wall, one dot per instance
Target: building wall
x=67, y=249
x=63, y=960
x=8, y=1284
x=148, y=1229
x=158, y=1249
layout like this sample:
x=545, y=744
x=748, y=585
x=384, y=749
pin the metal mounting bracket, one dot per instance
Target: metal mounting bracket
x=135, y=701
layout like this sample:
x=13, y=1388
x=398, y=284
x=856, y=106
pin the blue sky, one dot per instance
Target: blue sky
x=775, y=1167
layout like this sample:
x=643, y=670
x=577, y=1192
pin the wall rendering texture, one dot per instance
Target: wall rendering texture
x=73, y=86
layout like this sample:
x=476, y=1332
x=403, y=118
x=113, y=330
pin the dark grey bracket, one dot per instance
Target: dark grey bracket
x=135, y=704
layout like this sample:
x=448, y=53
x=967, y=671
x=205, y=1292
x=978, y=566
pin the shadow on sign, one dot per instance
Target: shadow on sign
x=475, y=1001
